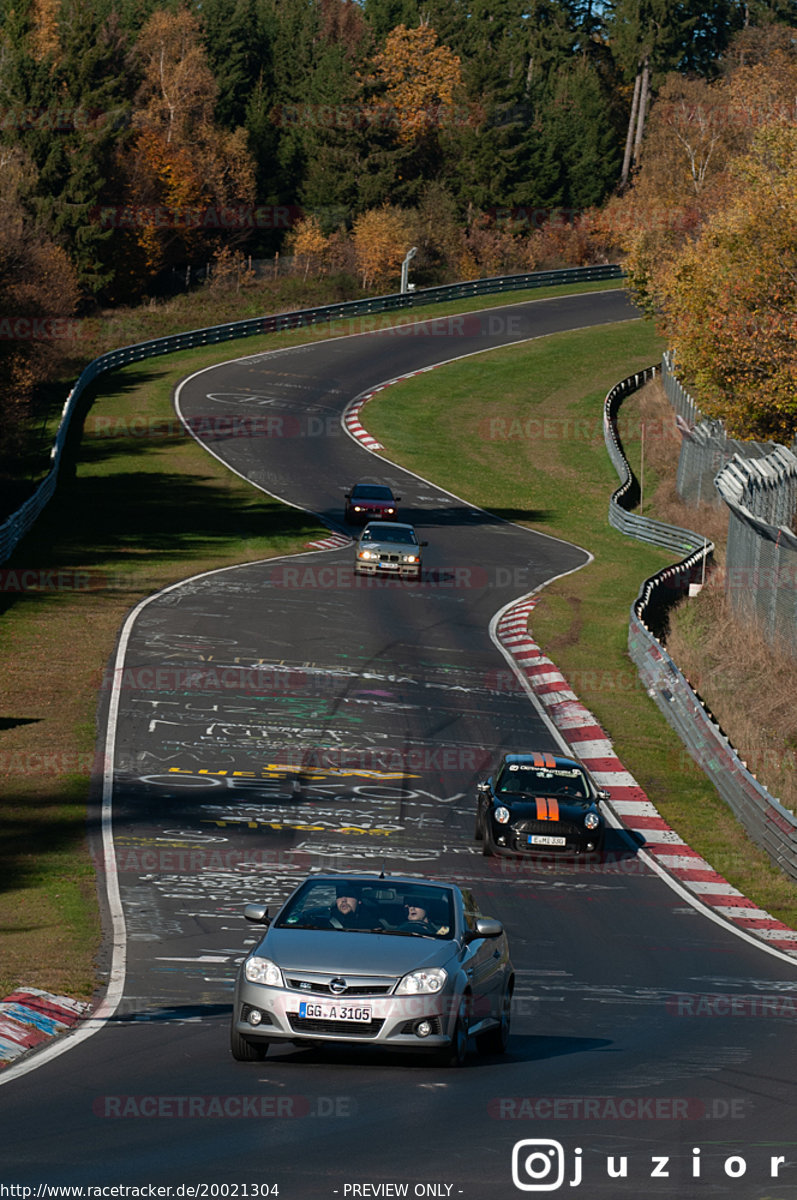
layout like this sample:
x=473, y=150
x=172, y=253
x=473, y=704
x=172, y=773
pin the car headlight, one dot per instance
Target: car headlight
x=501, y=814
x=366, y=554
x=422, y=983
x=357, y=508
x=390, y=510
x=263, y=970
x=411, y=558
x=592, y=820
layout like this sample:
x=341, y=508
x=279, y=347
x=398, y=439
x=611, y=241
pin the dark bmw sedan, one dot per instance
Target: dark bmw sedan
x=539, y=804
x=398, y=963
x=371, y=502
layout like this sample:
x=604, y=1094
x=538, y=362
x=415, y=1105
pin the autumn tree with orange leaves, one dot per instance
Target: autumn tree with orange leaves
x=382, y=237
x=189, y=180
x=308, y=244
x=419, y=82
x=709, y=237
x=730, y=298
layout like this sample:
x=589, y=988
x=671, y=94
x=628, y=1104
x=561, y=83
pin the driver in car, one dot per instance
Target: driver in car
x=348, y=911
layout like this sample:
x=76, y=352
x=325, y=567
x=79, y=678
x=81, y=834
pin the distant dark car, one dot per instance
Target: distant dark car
x=388, y=550
x=539, y=804
x=399, y=963
x=371, y=502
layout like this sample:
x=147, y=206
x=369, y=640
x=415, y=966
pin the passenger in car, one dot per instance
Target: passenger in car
x=418, y=920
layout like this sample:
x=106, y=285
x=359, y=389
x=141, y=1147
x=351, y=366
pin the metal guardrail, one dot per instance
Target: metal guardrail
x=764, y=818
x=767, y=822
x=21, y=521
x=669, y=537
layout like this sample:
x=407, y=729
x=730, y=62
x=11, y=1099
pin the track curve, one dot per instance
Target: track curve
x=280, y=715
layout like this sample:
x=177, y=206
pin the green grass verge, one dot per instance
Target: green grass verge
x=131, y=516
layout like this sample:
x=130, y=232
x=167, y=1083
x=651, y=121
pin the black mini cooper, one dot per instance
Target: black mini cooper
x=539, y=804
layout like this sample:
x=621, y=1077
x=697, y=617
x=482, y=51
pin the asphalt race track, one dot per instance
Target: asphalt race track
x=283, y=716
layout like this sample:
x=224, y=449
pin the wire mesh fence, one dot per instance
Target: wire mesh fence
x=757, y=481
x=761, y=573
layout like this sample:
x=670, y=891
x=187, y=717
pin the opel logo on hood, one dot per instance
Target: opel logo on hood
x=337, y=985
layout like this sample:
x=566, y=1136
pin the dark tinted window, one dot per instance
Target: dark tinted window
x=567, y=782
x=390, y=533
x=385, y=904
x=367, y=491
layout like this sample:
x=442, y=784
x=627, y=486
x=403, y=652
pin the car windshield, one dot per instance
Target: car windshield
x=390, y=534
x=371, y=906
x=366, y=491
x=519, y=779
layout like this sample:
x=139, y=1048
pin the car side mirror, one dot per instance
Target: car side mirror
x=258, y=913
x=485, y=927
x=483, y=788
x=397, y=498
x=603, y=794
x=423, y=543
x=347, y=495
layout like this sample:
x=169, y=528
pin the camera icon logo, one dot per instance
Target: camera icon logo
x=538, y=1165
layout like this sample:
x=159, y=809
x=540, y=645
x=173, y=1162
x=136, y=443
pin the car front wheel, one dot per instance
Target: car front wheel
x=456, y=1052
x=494, y=1041
x=244, y=1050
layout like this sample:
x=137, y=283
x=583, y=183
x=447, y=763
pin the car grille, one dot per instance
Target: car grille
x=553, y=828
x=322, y=988
x=392, y=558
x=360, y=1029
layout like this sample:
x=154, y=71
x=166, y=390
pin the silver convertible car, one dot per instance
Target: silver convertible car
x=388, y=549
x=399, y=963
